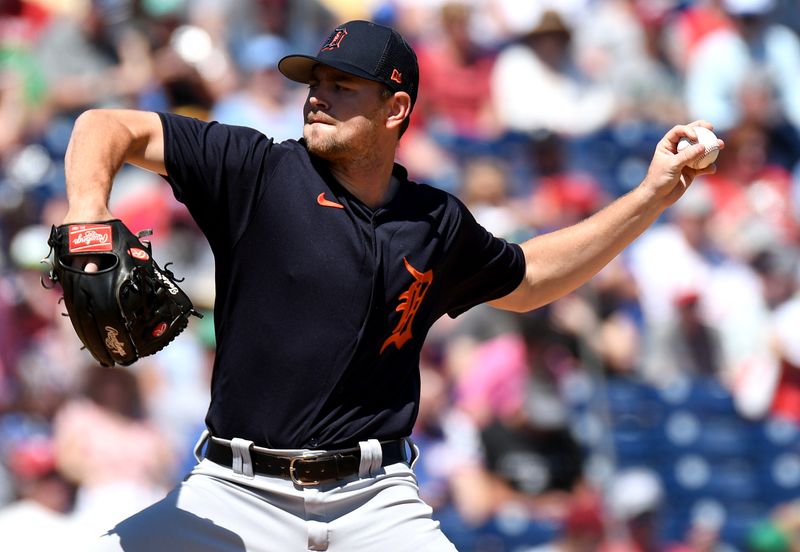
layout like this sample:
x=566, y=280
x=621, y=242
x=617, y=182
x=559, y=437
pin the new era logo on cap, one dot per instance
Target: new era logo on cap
x=363, y=49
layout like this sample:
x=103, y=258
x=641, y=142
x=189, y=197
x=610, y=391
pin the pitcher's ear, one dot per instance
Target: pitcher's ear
x=400, y=109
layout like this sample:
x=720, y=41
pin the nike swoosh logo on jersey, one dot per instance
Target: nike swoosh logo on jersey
x=327, y=203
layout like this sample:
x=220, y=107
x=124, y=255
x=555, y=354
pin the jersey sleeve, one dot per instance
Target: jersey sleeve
x=218, y=171
x=482, y=267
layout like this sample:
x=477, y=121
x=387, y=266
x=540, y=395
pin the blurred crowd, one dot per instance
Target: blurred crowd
x=656, y=408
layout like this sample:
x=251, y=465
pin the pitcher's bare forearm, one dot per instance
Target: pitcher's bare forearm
x=561, y=261
x=101, y=141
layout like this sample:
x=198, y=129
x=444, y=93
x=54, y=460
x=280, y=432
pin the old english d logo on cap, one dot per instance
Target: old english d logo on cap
x=364, y=49
x=335, y=40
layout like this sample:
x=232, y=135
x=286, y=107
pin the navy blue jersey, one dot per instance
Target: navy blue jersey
x=322, y=304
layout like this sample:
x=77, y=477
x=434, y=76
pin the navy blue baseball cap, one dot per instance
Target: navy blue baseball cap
x=364, y=49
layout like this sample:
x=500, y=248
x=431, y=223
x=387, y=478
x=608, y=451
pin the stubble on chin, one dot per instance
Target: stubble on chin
x=325, y=147
x=355, y=144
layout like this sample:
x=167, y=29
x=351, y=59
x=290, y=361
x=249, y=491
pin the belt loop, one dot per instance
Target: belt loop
x=414, y=452
x=242, y=463
x=371, y=457
x=198, y=446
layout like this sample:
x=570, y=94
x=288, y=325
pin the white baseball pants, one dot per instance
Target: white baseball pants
x=231, y=510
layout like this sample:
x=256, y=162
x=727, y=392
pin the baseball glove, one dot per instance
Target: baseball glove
x=129, y=307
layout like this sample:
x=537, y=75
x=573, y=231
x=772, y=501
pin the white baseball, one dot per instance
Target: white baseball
x=709, y=140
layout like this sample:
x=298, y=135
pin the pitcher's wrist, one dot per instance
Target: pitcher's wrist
x=87, y=214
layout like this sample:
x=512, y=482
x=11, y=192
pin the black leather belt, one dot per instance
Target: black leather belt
x=308, y=470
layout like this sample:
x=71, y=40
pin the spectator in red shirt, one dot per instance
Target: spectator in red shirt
x=455, y=98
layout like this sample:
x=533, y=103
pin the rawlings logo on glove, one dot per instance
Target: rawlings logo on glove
x=85, y=238
x=129, y=307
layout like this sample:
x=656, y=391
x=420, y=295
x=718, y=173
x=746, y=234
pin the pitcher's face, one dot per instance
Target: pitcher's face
x=343, y=114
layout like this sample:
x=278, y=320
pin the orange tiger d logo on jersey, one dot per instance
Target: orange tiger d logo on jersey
x=410, y=300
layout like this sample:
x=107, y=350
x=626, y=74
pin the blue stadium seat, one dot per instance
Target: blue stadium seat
x=776, y=435
x=734, y=481
x=628, y=399
x=740, y=521
x=692, y=477
x=707, y=395
x=780, y=476
x=710, y=435
x=636, y=441
x=515, y=533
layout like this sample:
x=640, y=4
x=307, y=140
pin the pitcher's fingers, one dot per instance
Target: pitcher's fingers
x=86, y=263
x=702, y=123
